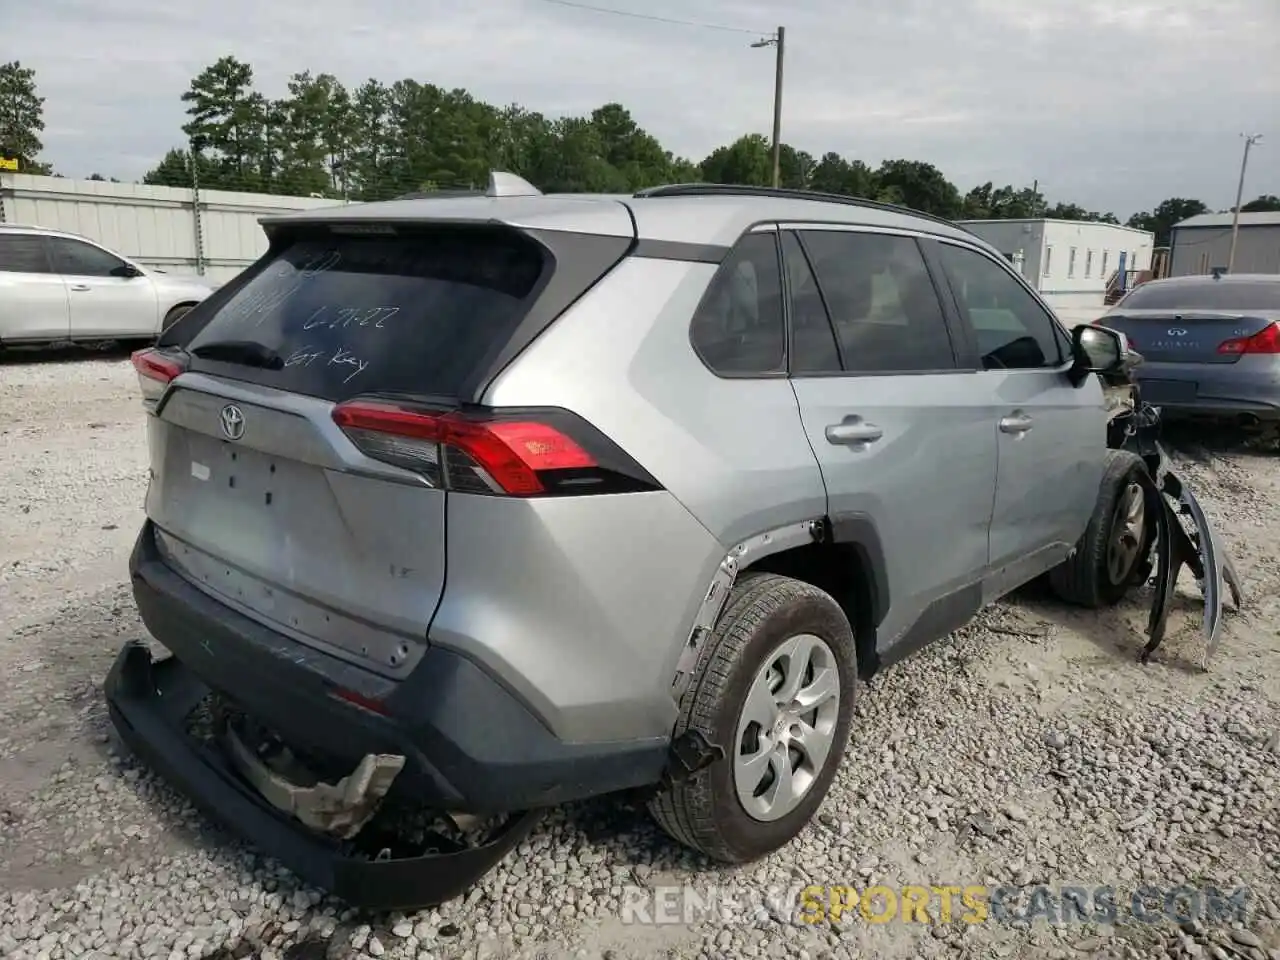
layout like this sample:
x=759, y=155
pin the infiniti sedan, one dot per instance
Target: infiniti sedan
x=1210, y=347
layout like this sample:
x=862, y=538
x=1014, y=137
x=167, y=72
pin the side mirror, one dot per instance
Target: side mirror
x=126, y=270
x=1097, y=350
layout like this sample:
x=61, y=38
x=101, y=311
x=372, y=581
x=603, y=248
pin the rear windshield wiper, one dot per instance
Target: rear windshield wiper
x=246, y=352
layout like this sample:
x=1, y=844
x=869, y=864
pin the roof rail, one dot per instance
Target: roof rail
x=786, y=193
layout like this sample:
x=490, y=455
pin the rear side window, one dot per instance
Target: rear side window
x=333, y=316
x=1206, y=295
x=1014, y=332
x=23, y=253
x=882, y=302
x=738, y=328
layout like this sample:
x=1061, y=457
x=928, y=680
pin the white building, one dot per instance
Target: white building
x=1070, y=262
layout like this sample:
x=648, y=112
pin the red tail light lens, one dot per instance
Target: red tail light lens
x=506, y=455
x=155, y=371
x=1266, y=340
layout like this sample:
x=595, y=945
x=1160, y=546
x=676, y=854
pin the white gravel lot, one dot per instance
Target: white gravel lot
x=1030, y=748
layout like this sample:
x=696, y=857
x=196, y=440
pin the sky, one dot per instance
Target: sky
x=1112, y=105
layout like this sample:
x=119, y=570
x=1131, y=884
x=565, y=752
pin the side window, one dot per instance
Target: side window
x=883, y=304
x=737, y=328
x=73, y=258
x=1014, y=332
x=23, y=253
x=813, y=344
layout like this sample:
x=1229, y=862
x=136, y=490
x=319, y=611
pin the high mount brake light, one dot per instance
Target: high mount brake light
x=155, y=371
x=1266, y=340
x=518, y=456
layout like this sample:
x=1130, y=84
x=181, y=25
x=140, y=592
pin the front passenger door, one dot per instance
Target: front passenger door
x=1052, y=436
x=106, y=299
x=893, y=422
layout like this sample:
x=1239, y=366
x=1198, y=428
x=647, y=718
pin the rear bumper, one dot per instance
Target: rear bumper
x=1213, y=390
x=469, y=745
x=148, y=702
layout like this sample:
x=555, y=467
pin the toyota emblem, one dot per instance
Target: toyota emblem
x=232, y=418
x=1177, y=332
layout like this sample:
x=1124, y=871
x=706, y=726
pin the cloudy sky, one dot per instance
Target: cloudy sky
x=1113, y=104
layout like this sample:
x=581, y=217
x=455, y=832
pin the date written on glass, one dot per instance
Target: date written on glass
x=341, y=357
x=330, y=318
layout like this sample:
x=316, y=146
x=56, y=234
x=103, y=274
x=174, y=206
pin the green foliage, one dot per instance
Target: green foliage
x=1160, y=221
x=378, y=141
x=21, y=117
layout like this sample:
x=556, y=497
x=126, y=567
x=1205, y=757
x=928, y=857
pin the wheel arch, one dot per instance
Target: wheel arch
x=842, y=555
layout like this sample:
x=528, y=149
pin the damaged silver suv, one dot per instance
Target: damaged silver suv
x=470, y=506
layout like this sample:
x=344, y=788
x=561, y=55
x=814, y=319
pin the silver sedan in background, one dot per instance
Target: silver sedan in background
x=1210, y=347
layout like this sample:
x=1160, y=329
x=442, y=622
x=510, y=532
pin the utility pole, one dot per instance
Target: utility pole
x=1249, y=140
x=778, y=40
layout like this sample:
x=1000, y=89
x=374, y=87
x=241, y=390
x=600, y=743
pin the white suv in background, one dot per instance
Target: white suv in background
x=57, y=286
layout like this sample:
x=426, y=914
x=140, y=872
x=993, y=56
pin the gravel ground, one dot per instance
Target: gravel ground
x=1029, y=748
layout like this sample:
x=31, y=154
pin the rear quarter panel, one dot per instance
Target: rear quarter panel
x=731, y=454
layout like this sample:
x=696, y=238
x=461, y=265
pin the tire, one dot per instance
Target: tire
x=1101, y=571
x=174, y=315
x=764, y=615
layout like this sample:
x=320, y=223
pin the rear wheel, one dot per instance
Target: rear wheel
x=775, y=690
x=1113, y=555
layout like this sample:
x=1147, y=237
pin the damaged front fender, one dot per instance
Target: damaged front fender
x=1200, y=549
x=1173, y=508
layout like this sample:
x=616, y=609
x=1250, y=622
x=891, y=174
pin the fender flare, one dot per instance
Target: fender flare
x=856, y=530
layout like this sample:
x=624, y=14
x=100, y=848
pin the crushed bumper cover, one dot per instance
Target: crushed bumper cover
x=1174, y=507
x=149, y=702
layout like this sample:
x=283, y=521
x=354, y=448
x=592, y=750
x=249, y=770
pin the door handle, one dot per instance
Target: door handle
x=1018, y=423
x=80, y=287
x=853, y=430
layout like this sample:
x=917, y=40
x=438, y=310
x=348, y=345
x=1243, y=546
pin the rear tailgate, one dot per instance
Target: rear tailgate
x=259, y=497
x=1163, y=336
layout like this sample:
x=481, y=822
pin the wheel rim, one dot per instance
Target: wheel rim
x=1128, y=529
x=787, y=727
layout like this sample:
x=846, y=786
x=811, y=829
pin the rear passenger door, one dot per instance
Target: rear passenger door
x=33, y=299
x=906, y=444
x=1051, y=435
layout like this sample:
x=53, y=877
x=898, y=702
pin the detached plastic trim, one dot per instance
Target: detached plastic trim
x=149, y=700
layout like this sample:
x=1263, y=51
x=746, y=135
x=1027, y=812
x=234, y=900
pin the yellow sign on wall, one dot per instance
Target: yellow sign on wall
x=7, y=163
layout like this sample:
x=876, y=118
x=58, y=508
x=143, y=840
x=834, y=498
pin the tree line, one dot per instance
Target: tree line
x=379, y=140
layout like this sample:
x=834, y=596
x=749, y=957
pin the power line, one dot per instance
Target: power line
x=656, y=19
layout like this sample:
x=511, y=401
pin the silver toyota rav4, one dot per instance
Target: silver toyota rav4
x=477, y=505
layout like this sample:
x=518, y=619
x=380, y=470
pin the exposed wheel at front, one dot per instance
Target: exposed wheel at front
x=1114, y=553
x=774, y=688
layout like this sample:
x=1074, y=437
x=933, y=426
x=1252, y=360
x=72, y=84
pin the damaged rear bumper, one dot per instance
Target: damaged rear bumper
x=149, y=702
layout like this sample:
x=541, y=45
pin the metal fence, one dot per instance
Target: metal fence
x=212, y=233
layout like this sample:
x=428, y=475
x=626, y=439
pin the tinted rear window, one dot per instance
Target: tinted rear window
x=411, y=313
x=1210, y=295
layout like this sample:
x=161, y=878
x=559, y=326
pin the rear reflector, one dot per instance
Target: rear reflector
x=495, y=453
x=1266, y=340
x=155, y=371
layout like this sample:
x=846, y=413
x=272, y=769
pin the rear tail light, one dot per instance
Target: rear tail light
x=501, y=453
x=155, y=370
x=1266, y=340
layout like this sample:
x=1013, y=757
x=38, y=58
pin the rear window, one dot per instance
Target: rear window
x=1209, y=295
x=334, y=315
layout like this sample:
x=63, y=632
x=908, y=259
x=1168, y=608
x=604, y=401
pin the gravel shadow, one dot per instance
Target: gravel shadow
x=106, y=351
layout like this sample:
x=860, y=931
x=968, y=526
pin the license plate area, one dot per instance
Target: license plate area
x=1169, y=391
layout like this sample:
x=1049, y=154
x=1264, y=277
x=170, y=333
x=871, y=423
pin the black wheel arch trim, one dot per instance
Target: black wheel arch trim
x=858, y=530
